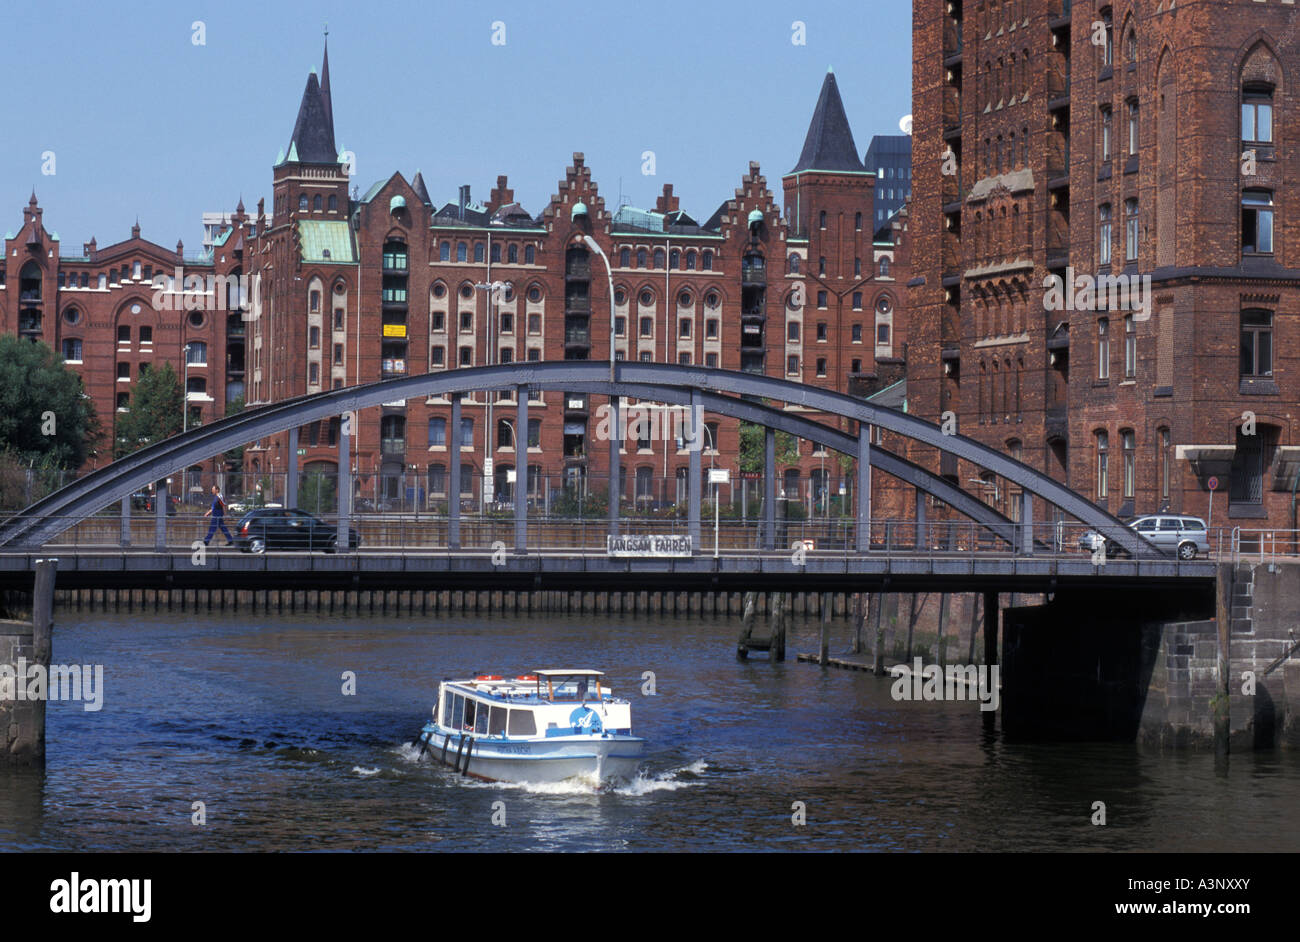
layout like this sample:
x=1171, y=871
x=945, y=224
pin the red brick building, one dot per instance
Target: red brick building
x=115, y=312
x=1124, y=147
x=348, y=291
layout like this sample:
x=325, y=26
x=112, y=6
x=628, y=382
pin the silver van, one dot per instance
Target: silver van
x=1185, y=536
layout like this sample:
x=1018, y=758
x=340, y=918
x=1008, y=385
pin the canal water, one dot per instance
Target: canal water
x=247, y=715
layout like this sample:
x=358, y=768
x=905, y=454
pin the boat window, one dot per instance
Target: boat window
x=468, y=722
x=497, y=725
x=522, y=723
x=481, y=719
x=457, y=713
x=448, y=702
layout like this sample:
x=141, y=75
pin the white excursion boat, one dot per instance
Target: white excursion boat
x=546, y=726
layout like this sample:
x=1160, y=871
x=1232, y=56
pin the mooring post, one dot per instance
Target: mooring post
x=990, y=628
x=943, y=617
x=824, y=652
x=453, y=486
x=1220, y=703
x=878, y=640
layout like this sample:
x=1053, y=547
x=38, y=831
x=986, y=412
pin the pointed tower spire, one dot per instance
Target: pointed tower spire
x=313, y=133
x=420, y=189
x=325, y=83
x=829, y=144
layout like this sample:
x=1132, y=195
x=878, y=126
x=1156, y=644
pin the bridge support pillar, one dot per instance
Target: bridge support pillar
x=863, y=487
x=160, y=515
x=291, y=471
x=769, y=488
x=124, y=533
x=990, y=628
x=344, y=542
x=521, y=470
x=615, y=468
x=1027, y=523
x=453, y=475
x=22, y=721
x=693, y=490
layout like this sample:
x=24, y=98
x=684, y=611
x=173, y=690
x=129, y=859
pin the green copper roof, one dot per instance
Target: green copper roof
x=755, y=215
x=374, y=188
x=579, y=209
x=319, y=237
x=279, y=158
x=397, y=202
x=221, y=239
x=293, y=152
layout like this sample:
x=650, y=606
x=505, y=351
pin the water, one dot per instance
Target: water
x=246, y=714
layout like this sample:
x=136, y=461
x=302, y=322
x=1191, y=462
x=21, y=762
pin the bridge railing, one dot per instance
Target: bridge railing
x=396, y=533
x=1264, y=545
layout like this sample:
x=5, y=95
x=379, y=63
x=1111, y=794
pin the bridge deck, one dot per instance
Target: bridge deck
x=563, y=569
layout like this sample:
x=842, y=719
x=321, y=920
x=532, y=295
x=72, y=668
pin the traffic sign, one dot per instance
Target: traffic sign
x=1212, y=484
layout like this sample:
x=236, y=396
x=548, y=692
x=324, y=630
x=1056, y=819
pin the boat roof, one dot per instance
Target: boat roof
x=577, y=673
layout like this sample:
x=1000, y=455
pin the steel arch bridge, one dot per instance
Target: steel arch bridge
x=723, y=392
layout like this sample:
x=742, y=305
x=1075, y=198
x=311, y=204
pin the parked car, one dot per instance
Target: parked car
x=275, y=528
x=1175, y=534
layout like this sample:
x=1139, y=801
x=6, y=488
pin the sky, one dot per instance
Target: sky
x=134, y=117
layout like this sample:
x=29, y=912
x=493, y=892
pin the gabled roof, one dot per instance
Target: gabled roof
x=313, y=133
x=829, y=144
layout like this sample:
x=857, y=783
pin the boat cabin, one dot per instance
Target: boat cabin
x=545, y=703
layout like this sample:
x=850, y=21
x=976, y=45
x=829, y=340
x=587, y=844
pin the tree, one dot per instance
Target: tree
x=155, y=412
x=752, y=444
x=46, y=419
x=318, y=493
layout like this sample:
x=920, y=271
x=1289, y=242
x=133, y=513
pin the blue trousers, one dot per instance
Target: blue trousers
x=218, y=522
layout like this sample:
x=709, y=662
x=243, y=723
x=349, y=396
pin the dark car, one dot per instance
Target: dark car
x=275, y=528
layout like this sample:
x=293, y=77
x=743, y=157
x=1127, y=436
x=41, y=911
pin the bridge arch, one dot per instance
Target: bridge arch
x=724, y=392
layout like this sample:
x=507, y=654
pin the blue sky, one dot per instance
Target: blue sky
x=143, y=121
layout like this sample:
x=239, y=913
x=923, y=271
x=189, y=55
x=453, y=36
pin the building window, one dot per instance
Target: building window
x=711, y=329
x=675, y=258
x=530, y=254
x=1130, y=347
x=437, y=355
x=313, y=337
x=821, y=265
x=659, y=258
x=1103, y=234
x=792, y=332
x=466, y=434
x=146, y=334
x=124, y=334
x=857, y=221
x=1256, y=344
x=1108, y=48
x=792, y=264
x=884, y=268
x=711, y=360
x=196, y=353
x=690, y=259
x=857, y=300
x=338, y=318
x=640, y=258
x=313, y=373
x=534, y=323
x=1127, y=441
x=647, y=327
x=302, y=203
x=534, y=354
x=1132, y=128
x=882, y=334
x=620, y=326
x=462, y=252
x=856, y=332
x=1103, y=465
x=821, y=366
x=625, y=258
x=315, y=301
x=466, y=356
x=684, y=359
x=1107, y=122
x=1103, y=348
x=444, y=252
x=821, y=330
x=466, y=321
x=507, y=323
x=1130, y=230
x=72, y=350
x=1257, y=222
x=684, y=327
x=478, y=252
x=1257, y=115
x=792, y=364
x=821, y=219
x=821, y=299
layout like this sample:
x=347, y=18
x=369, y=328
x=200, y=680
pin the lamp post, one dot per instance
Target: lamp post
x=609, y=274
x=185, y=394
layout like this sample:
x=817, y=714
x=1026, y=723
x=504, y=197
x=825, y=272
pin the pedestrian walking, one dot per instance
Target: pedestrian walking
x=218, y=514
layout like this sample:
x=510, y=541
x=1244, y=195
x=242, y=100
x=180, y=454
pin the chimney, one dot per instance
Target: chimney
x=464, y=200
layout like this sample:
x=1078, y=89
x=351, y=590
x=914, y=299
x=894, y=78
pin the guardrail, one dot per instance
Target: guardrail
x=836, y=536
x=1264, y=545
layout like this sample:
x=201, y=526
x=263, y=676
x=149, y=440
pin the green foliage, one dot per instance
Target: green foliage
x=46, y=420
x=594, y=504
x=155, y=412
x=234, y=407
x=752, y=444
x=318, y=493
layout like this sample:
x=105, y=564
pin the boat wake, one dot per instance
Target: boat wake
x=645, y=783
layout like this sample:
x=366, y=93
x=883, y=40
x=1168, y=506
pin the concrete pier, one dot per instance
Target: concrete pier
x=24, y=645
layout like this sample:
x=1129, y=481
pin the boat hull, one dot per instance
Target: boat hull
x=597, y=759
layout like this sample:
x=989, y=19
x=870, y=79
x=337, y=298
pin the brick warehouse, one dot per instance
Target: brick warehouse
x=333, y=289
x=1111, y=139
x=724, y=292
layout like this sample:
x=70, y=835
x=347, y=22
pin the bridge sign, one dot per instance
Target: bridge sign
x=648, y=545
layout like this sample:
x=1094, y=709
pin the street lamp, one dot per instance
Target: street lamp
x=609, y=273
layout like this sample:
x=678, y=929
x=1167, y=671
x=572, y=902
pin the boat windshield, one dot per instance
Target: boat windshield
x=576, y=689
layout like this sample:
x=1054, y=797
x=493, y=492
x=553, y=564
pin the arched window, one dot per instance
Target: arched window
x=1128, y=446
x=478, y=252
x=640, y=258
x=675, y=258
x=706, y=260
x=530, y=254
x=302, y=203
x=462, y=252
x=334, y=204
x=821, y=219
x=625, y=258
x=659, y=258
x=1103, y=465
x=496, y=252
x=884, y=268
x=690, y=260
x=792, y=264
x=512, y=254
x=316, y=203
x=444, y=252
